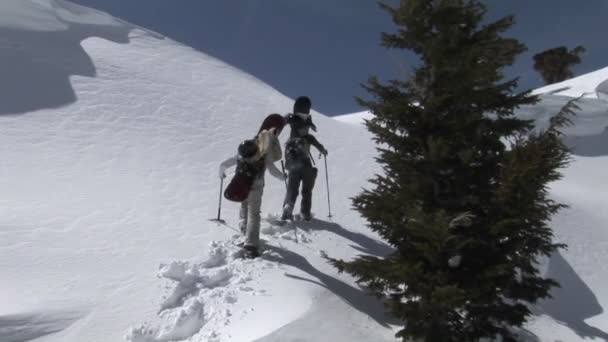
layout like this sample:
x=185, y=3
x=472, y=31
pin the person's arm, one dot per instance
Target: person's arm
x=273, y=169
x=312, y=125
x=314, y=142
x=226, y=164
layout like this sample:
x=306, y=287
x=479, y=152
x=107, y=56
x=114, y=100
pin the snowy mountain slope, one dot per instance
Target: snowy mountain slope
x=105, y=201
x=123, y=177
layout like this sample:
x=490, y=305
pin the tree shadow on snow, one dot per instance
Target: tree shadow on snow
x=573, y=302
x=355, y=297
x=524, y=335
x=36, y=64
x=363, y=243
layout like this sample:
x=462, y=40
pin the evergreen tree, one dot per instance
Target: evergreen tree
x=463, y=197
x=555, y=65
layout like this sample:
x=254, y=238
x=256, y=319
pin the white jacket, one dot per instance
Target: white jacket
x=269, y=163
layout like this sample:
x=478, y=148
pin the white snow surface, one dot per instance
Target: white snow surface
x=111, y=137
x=355, y=118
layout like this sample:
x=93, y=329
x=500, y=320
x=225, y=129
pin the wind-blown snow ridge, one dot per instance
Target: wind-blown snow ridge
x=33, y=325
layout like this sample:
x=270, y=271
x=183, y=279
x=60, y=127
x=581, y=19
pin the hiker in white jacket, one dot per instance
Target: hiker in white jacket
x=254, y=157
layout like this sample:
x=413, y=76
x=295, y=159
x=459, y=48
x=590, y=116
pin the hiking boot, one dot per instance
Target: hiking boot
x=287, y=215
x=306, y=216
x=250, y=252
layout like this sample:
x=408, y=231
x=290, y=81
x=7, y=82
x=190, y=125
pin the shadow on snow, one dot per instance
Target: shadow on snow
x=573, y=302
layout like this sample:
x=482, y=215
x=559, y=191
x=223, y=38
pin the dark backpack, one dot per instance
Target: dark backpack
x=247, y=170
x=296, y=157
x=244, y=165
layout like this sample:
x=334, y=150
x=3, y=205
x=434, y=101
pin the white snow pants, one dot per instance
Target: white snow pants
x=250, y=213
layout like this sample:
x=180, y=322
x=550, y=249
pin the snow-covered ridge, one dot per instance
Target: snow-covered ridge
x=40, y=50
x=590, y=85
x=355, y=118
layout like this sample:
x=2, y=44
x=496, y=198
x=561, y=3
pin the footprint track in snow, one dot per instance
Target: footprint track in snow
x=201, y=296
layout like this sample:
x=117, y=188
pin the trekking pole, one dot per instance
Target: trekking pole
x=311, y=159
x=327, y=182
x=219, y=207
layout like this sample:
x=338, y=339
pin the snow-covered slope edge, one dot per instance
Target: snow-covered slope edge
x=585, y=85
x=355, y=118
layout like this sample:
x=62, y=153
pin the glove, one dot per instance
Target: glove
x=324, y=151
x=222, y=172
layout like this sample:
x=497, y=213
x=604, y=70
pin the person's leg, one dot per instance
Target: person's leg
x=253, y=219
x=308, y=183
x=293, y=187
x=243, y=217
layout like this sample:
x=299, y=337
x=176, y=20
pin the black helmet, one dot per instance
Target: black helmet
x=248, y=148
x=302, y=105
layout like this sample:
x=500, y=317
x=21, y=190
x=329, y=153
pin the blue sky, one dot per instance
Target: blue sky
x=327, y=48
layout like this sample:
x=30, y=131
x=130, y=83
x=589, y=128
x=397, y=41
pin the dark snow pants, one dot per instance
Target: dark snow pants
x=307, y=177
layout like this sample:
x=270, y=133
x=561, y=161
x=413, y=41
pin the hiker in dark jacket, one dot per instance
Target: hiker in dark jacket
x=299, y=163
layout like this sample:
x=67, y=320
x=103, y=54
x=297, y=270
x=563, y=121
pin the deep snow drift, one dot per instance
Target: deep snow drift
x=109, y=176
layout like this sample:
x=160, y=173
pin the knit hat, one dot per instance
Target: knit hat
x=302, y=105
